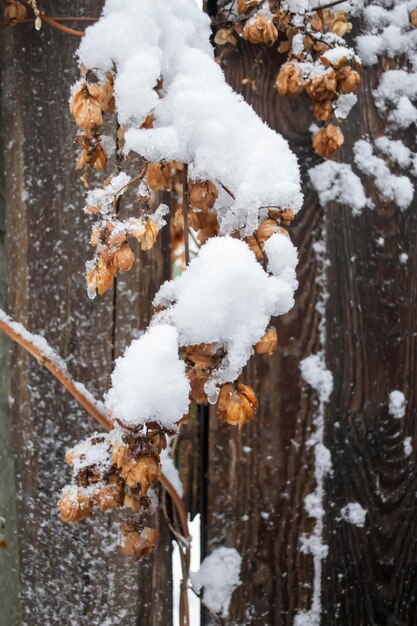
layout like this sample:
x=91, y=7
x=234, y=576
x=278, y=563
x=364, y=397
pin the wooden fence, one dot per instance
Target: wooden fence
x=249, y=486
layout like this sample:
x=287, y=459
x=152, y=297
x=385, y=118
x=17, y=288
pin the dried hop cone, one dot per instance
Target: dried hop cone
x=289, y=81
x=103, y=93
x=150, y=235
x=158, y=177
x=101, y=278
x=111, y=495
x=15, y=11
x=246, y=6
x=328, y=140
x=93, y=154
x=74, y=505
x=260, y=29
x=203, y=194
x=323, y=86
x=348, y=80
x=237, y=404
x=268, y=343
x=137, y=542
x=284, y=216
x=267, y=229
x=86, y=109
x=158, y=439
x=322, y=109
x=255, y=247
x=340, y=24
x=143, y=472
x=123, y=259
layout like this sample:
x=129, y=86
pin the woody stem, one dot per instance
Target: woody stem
x=185, y=204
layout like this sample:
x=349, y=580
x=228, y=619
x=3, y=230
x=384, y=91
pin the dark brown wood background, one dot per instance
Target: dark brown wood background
x=257, y=479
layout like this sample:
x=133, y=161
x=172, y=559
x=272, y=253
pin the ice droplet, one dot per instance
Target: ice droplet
x=91, y=291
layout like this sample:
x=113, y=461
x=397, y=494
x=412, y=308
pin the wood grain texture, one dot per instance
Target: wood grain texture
x=259, y=477
x=256, y=492
x=68, y=575
x=370, y=575
x=9, y=578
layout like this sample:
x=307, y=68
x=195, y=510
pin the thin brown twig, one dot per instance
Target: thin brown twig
x=185, y=557
x=328, y=5
x=215, y=616
x=20, y=337
x=55, y=22
x=185, y=203
x=65, y=29
x=227, y=190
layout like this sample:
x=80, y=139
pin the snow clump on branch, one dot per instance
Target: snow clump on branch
x=199, y=119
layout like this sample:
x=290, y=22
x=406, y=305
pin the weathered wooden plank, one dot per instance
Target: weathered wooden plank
x=68, y=575
x=372, y=328
x=259, y=477
x=369, y=574
x=9, y=580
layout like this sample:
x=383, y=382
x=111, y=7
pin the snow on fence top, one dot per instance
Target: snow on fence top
x=199, y=119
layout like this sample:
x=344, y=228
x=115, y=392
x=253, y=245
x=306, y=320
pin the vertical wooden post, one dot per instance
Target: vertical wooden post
x=258, y=478
x=9, y=579
x=68, y=575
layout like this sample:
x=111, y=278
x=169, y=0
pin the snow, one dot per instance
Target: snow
x=344, y=104
x=337, y=54
x=218, y=577
x=149, y=381
x=408, y=446
x=395, y=150
x=37, y=341
x=315, y=373
x=93, y=451
x=398, y=189
x=282, y=257
x=298, y=44
x=225, y=297
x=170, y=471
x=199, y=119
x=336, y=182
x=397, y=404
x=354, y=513
x=389, y=32
x=403, y=258
x=395, y=93
x=103, y=198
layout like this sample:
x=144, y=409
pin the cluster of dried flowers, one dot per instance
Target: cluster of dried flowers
x=319, y=61
x=114, y=470
x=90, y=100
x=119, y=469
